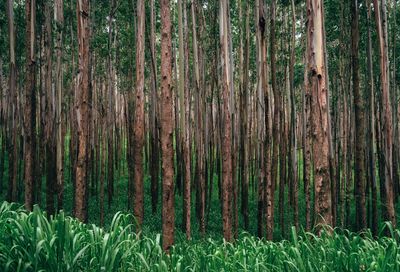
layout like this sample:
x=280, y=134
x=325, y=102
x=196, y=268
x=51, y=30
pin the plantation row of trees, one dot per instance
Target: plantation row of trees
x=293, y=104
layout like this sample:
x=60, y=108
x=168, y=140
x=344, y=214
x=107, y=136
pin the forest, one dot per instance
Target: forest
x=199, y=135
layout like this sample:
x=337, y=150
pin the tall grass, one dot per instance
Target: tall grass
x=32, y=242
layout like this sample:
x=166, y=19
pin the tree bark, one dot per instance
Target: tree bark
x=30, y=104
x=227, y=136
x=359, y=160
x=12, y=142
x=275, y=130
x=154, y=133
x=139, y=117
x=371, y=129
x=293, y=140
x=59, y=29
x=168, y=211
x=316, y=69
x=82, y=110
x=386, y=110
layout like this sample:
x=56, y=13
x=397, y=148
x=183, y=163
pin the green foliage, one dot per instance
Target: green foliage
x=32, y=242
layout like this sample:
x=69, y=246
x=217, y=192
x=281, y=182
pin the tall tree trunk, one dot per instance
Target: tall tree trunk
x=30, y=104
x=168, y=211
x=59, y=29
x=371, y=129
x=82, y=110
x=48, y=111
x=182, y=21
x=154, y=133
x=359, y=160
x=227, y=136
x=293, y=140
x=386, y=109
x=261, y=92
x=316, y=67
x=244, y=125
x=276, y=133
x=139, y=116
x=306, y=130
x=13, y=144
x=110, y=102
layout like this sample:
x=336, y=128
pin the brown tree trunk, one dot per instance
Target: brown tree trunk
x=359, y=160
x=226, y=139
x=316, y=67
x=244, y=125
x=275, y=130
x=293, y=140
x=49, y=121
x=386, y=109
x=306, y=130
x=59, y=27
x=154, y=133
x=182, y=20
x=30, y=104
x=139, y=117
x=12, y=142
x=371, y=130
x=82, y=110
x=168, y=211
x=261, y=110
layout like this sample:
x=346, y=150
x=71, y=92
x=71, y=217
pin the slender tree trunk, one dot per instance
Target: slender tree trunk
x=371, y=129
x=227, y=136
x=59, y=29
x=30, y=104
x=359, y=160
x=316, y=67
x=139, y=117
x=244, y=125
x=261, y=92
x=306, y=98
x=276, y=133
x=182, y=21
x=154, y=135
x=13, y=144
x=293, y=140
x=386, y=109
x=82, y=110
x=49, y=121
x=168, y=211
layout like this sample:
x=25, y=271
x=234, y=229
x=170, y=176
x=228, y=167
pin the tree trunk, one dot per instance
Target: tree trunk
x=386, y=109
x=371, y=129
x=275, y=129
x=293, y=140
x=59, y=27
x=261, y=110
x=168, y=211
x=49, y=121
x=244, y=125
x=154, y=134
x=30, y=104
x=139, y=117
x=82, y=110
x=359, y=160
x=227, y=136
x=12, y=142
x=316, y=67
x=182, y=21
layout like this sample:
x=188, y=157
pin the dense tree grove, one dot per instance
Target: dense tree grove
x=213, y=116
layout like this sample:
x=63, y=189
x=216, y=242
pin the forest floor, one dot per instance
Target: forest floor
x=31, y=242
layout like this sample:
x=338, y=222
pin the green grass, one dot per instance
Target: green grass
x=32, y=242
